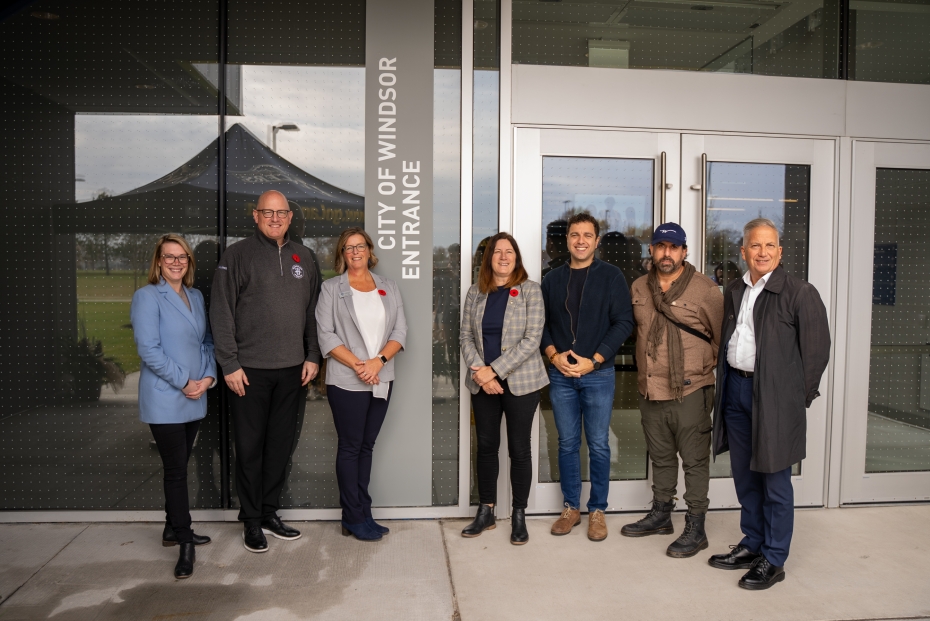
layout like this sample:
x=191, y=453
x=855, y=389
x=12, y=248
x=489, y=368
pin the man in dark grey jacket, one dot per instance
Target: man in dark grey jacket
x=774, y=350
x=264, y=328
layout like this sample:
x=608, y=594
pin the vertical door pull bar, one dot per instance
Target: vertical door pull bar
x=663, y=188
x=703, y=212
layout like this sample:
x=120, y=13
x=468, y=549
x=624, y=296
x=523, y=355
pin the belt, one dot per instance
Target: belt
x=742, y=373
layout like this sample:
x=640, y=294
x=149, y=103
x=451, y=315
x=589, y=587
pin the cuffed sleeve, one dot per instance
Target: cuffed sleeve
x=224, y=295
x=467, y=333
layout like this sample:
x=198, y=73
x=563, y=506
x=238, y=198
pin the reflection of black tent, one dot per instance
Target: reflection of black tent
x=185, y=200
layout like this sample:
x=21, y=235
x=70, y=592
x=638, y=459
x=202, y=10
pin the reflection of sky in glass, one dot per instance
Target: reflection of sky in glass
x=486, y=157
x=618, y=192
x=738, y=193
x=118, y=153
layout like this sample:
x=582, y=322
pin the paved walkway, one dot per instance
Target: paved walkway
x=862, y=563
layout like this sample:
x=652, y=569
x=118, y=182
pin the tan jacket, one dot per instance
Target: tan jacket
x=701, y=308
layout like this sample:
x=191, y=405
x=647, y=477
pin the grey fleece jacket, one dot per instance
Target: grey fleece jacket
x=263, y=305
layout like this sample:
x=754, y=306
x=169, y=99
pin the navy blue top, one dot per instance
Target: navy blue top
x=605, y=307
x=492, y=326
x=576, y=282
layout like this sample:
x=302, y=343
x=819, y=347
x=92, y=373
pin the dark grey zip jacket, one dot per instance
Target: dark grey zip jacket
x=263, y=305
x=605, y=316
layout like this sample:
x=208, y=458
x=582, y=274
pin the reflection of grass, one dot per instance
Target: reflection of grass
x=327, y=274
x=105, y=321
x=96, y=285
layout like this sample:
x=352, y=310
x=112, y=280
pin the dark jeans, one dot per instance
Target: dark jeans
x=358, y=417
x=680, y=427
x=265, y=423
x=175, y=443
x=767, y=499
x=519, y=415
x=583, y=402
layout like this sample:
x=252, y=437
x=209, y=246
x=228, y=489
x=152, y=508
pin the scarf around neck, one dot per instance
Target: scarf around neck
x=660, y=326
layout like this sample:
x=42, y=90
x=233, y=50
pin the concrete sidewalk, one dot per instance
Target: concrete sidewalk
x=863, y=563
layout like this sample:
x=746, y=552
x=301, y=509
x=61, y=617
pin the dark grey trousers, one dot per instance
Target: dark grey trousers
x=683, y=428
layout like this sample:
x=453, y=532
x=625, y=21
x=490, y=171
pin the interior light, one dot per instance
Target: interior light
x=44, y=15
x=145, y=87
x=480, y=24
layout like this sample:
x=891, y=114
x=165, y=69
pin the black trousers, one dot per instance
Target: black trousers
x=175, y=443
x=358, y=417
x=265, y=424
x=519, y=412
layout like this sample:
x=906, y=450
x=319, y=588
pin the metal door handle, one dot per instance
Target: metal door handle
x=703, y=189
x=663, y=187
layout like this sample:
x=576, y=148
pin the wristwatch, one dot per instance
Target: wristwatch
x=597, y=364
x=382, y=359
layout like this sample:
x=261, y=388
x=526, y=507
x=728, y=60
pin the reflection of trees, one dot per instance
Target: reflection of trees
x=723, y=242
x=136, y=249
x=446, y=299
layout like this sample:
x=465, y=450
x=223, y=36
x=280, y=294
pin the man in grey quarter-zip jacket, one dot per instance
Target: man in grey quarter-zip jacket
x=262, y=314
x=588, y=317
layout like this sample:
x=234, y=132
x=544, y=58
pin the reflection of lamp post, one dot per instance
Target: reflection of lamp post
x=288, y=127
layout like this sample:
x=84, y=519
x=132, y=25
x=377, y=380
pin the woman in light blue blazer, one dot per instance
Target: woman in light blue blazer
x=172, y=335
x=361, y=327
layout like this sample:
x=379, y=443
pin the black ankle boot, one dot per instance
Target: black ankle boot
x=518, y=534
x=657, y=522
x=483, y=521
x=185, y=566
x=692, y=539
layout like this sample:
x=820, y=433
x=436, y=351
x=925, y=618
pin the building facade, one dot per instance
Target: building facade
x=122, y=122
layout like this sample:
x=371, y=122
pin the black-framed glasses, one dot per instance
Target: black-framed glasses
x=354, y=249
x=171, y=259
x=267, y=213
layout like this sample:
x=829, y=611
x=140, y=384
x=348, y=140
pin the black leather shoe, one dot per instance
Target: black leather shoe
x=484, y=520
x=518, y=534
x=254, y=539
x=185, y=566
x=739, y=557
x=168, y=538
x=763, y=575
x=275, y=527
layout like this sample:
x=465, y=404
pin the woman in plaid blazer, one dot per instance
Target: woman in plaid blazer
x=502, y=325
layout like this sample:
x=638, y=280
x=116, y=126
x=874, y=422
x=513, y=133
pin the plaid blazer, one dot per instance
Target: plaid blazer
x=520, y=362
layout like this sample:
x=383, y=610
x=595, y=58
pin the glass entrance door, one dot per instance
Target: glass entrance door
x=887, y=443
x=711, y=185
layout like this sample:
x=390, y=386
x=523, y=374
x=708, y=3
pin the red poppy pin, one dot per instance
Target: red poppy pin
x=514, y=293
x=382, y=292
x=296, y=258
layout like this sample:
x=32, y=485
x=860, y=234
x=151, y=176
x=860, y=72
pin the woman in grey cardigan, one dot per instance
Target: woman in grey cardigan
x=361, y=327
x=502, y=325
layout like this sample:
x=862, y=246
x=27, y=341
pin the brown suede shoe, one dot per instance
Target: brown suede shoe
x=569, y=519
x=597, y=527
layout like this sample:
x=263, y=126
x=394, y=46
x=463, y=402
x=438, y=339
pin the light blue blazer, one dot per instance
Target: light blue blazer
x=175, y=346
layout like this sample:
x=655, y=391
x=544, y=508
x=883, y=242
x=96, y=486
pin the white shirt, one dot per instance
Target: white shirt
x=370, y=312
x=741, y=352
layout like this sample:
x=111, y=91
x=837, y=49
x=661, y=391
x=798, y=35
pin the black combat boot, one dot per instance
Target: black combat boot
x=657, y=522
x=692, y=539
x=483, y=521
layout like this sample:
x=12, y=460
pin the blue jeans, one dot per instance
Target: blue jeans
x=766, y=499
x=587, y=400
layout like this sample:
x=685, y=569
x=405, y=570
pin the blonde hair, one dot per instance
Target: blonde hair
x=340, y=261
x=155, y=267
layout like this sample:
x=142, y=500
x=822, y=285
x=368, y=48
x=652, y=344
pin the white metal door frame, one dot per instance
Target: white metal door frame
x=856, y=485
x=683, y=205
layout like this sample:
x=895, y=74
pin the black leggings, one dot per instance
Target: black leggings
x=519, y=414
x=175, y=442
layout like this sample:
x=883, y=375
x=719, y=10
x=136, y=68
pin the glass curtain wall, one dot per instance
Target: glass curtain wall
x=103, y=104
x=111, y=138
x=889, y=42
x=794, y=38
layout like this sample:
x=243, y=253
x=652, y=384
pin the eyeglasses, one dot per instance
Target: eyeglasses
x=170, y=258
x=354, y=249
x=282, y=213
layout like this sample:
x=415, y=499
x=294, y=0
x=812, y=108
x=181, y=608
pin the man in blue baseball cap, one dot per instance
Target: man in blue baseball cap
x=678, y=314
